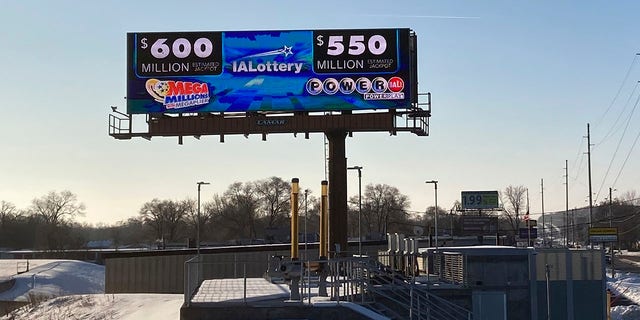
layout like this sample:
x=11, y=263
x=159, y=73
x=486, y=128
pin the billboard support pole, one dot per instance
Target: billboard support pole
x=338, y=190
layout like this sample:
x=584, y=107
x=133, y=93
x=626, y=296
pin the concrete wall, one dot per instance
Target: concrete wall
x=163, y=272
x=152, y=274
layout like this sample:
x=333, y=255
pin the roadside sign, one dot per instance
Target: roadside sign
x=479, y=225
x=603, y=235
x=479, y=200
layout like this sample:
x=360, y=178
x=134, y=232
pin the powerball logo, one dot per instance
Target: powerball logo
x=178, y=94
x=377, y=89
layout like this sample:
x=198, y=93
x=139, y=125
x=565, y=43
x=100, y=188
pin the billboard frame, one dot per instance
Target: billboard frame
x=163, y=83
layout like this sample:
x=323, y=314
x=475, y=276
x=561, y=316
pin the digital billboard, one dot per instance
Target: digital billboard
x=479, y=200
x=245, y=71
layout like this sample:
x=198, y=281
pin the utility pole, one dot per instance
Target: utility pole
x=566, y=197
x=551, y=232
x=590, y=190
x=543, y=222
x=613, y=249
x=573, y=225
x=610, y=213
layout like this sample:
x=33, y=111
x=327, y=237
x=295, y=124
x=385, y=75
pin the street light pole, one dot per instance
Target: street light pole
x=306, y=217
x=435, y=184
x=359, y=168
x=199, y=183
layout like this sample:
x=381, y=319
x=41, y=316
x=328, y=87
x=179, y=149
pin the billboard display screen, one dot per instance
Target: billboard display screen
x=243, y=71
x=479, y=200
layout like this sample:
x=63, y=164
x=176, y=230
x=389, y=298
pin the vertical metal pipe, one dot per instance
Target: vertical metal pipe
x=324, y=219
x=295, y=190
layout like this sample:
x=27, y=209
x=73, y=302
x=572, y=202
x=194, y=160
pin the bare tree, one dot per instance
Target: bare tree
x=514, y=201
x=8, y=212
x=275, y=199
x=630, y=198
x=56, y=208
x=54, y=211
x=165, y=217
x=382, y=205
x=235, y=212
x=190, y=209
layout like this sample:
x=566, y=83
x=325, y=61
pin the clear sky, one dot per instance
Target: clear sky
x=514, y=85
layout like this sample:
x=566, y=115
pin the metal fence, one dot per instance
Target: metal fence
x=361, y=280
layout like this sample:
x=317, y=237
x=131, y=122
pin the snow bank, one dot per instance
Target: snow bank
x=104, y=306
x=625, y=313
x=77, y=292
x=9, y=267
x=56, y=278
x=627, y=284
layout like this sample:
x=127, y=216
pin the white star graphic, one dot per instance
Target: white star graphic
x=287, y=51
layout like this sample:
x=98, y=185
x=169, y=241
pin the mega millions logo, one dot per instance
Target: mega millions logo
x=378, y=88
x=178, y=94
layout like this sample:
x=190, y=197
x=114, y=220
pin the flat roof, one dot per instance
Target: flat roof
x=482, y=250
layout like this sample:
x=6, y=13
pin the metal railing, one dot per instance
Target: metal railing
x=361, y=280
x=192, y=278
x=199, y=268
x=402, y=298
x=119, y=124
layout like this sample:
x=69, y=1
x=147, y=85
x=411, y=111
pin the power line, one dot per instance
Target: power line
x=627, y=158
x=615, y=124
x=626, y=76
x=580, y=166
x=578, y=156
x=624, y=132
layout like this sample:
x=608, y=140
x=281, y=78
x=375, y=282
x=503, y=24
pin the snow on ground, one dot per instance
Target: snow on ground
x=104, y=306
x=76, y=290
x=9, y=267
x=56, y=278
x=628, y=284
x=79, y=288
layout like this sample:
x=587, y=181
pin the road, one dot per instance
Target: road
x=627, y=263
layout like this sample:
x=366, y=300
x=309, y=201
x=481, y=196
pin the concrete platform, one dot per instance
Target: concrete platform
x=219, y=299
x=232, y=290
